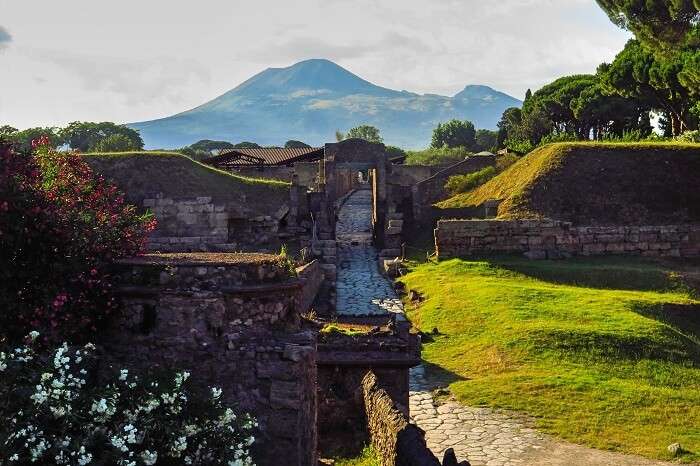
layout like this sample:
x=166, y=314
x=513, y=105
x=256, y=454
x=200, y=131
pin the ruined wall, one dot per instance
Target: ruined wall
x=311, y=276
x=396, y=441
x=408, y=175
x=307, y=173
x=389, y=352
x=542, y=239
x=274, y=172
x=200, y=224
x=233, y=321
x=429, y=191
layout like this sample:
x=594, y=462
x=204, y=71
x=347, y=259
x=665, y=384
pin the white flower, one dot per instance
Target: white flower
x=123, y=374
x=85, y=457
x=216, y=393
x=33, y=335
x=149, y=458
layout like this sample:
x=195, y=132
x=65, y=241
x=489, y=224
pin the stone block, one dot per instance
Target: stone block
x=285, y=394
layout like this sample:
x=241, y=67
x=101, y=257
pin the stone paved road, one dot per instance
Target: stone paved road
x=361, y=289
x=489, y=438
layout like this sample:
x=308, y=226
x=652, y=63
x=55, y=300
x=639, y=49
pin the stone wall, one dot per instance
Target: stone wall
x=269, y=172
x=540, y=239
x=389, y=351
x=200, y=224
x=311, y=276
x=429, y=191
x=396, y=441
x=233, y=321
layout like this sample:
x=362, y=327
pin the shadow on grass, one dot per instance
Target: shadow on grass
x=618, y=273
x=682, y=318
x=435, y=377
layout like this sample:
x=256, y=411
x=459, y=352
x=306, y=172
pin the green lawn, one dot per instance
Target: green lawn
x=601, y=352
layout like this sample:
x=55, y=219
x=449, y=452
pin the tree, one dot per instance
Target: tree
x=528, y=95
x=509, y=123
x=636, y=73
x=339, y=135
x=662, y=26
x=366, y=132
x=115, y=143
x=292, y=144
x=246, y=145
x=84, y=136
x=486, y=140
x=454, y=133
x=670, y=30
x=7, y=130
x=207, y=145
x=23, y=139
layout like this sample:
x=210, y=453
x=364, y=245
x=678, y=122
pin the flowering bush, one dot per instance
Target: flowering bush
x=60, y=227
x=53, y=414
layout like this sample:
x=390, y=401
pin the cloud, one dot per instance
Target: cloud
x=5, y=37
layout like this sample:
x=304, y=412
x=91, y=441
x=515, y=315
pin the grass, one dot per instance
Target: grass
x=591, y=181
x=600, y=352
x=367, y=458
x=140, y=174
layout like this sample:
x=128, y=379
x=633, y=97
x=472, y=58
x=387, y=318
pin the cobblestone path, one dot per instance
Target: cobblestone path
x=361, y=289
x=489, y=438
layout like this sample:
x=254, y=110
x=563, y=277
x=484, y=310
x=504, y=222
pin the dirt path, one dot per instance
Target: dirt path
x=489, y=438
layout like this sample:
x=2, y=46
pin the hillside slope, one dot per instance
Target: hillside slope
x=144, y=174
x=312, y=99
x=597, y=184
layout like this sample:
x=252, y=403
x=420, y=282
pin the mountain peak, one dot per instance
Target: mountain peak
x=479, y=92
x=316, y=74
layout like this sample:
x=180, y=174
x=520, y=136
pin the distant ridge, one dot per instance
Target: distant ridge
x=312, y=99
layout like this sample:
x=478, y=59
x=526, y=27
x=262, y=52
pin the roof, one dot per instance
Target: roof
x=264, y=156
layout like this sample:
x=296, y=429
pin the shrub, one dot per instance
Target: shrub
x=115, y=143
x=441, y=156
x=53, y=415
x=463, y=183
x=60, y=228
x=689, y=136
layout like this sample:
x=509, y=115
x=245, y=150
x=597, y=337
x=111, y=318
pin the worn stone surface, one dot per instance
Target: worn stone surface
x=487, y=437
x=361, y=289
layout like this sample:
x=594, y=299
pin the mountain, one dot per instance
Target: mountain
x=312, y=99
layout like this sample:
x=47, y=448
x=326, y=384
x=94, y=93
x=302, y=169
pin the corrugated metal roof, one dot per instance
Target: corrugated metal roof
x=264, y=156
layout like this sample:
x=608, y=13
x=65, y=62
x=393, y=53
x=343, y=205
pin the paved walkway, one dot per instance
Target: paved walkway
x=490, y=438
x=361, y=289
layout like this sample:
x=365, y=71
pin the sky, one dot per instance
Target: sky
x=135, y=60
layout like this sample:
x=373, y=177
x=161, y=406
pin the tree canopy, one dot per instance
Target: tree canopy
x=366, y=132
x=293, y=144
x=84, y=136
x=454, y=133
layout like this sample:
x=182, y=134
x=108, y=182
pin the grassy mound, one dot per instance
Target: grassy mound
x=603, y=352
x=143, y=174
x=597, y=184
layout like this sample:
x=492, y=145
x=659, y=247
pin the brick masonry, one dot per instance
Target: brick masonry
x=233, y=324
x=542, y=239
